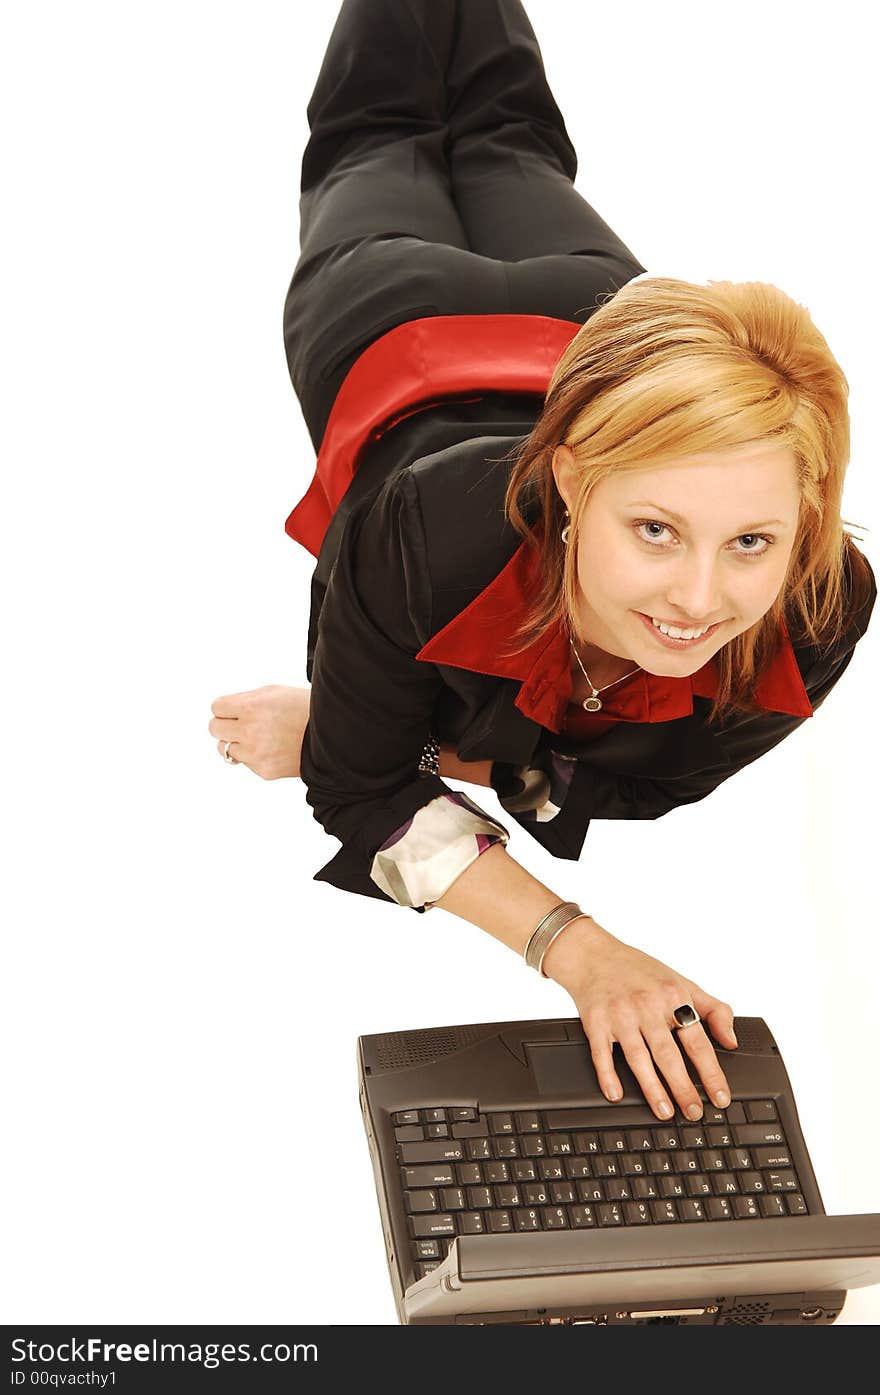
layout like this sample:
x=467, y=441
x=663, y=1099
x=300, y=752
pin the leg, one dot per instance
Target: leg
x=511, y=160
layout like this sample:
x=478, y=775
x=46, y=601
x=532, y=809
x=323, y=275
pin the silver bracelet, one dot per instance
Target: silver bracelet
x=429, y=764
x=546, y=931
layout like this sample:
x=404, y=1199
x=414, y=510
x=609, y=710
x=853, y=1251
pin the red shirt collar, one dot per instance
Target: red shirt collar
x=475, y=639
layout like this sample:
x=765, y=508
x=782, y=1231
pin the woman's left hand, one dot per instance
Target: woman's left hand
x=264, y=727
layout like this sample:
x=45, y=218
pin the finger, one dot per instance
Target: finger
x=234, y=749
x=227, y=727
x=694, y=1041
x=229, y=705
x=719, y=1015
x=669, y=1059
x=600, y=1044
x=639, y=1060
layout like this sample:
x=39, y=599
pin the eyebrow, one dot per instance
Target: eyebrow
x=747, y=528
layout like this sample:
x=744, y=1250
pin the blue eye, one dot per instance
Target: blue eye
x=664, y=528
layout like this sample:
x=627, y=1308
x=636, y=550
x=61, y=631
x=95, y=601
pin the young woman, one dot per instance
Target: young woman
x=577, y=528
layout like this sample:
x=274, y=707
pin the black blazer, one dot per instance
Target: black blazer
x=410, y=556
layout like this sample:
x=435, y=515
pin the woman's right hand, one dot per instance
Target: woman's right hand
x=626, y=996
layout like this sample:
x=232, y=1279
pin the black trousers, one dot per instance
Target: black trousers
x=437, y=180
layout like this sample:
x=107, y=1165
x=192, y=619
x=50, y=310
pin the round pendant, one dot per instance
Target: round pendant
x=592, y=704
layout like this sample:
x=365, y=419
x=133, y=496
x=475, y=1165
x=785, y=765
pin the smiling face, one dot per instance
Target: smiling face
x=705, y=543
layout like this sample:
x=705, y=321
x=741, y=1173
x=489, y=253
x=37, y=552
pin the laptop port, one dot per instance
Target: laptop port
x=647, y=1315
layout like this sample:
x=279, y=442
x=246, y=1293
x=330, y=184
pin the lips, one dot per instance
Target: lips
x=668, y=642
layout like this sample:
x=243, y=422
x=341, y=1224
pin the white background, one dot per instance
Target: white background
x=181, y=1001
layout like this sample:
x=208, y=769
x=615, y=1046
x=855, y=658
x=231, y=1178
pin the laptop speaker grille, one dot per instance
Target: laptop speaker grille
x=398, y=1050
x=747, y=1314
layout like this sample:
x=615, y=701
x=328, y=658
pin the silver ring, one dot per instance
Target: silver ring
x=686, y=1016
x=230, y=760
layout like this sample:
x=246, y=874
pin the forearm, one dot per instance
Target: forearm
x=474, y=772
x=499, y=896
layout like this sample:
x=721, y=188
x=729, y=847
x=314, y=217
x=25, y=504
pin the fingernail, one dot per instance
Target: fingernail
x=615, y=1093
x=722, y=1099
x=694, y=1111
x=664, y=1109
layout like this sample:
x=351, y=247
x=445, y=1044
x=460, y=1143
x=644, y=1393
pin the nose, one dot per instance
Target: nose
x=695, y=590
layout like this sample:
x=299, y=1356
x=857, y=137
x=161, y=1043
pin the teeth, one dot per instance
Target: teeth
x=675, y=633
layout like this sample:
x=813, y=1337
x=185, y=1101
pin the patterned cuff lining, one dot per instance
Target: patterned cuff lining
x=533, y=794
x=419, y=861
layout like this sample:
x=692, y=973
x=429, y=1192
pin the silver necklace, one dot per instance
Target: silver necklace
x=594, y=702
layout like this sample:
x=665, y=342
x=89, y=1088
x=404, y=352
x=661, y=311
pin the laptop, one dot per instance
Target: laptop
x=511, y=1191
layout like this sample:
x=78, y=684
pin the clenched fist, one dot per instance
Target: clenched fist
x=264, y=728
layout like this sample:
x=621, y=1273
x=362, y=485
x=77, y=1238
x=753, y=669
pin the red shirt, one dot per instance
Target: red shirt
x=421, y=363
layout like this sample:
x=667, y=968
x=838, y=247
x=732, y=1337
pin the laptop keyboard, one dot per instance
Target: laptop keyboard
x=470, y=1173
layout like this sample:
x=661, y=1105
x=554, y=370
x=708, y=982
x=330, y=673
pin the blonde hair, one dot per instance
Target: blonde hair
x=665, y=369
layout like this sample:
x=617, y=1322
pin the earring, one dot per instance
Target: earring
x=567, y=529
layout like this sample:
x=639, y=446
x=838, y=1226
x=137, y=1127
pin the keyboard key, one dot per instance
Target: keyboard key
x=591, y=1191
x=607, y=1118
x=478, y=1148
x=692, y=1209
x=617, y=1189
x=609, y=1213
x=452, y=1199
x=522, y=1171
x=427, y=1249
x=469, y=1174
x=699, y=1185
x=501, y=1123
x=578, y=1167
x=559, y=1144
x=480, y=1196
x=470, y=1128
x=637, y=1213
x=745, y=1207
x=796, y=1204
x=527, y=1122
x=586, y=1143
x=613, y=1141
x=533, y=1146
x=406, y=1116
x=751, y=1182
x=500, y=1222
x=639, y=1140
x=507, y=1195
x=436, y=1130
x=432, y=1225
x=771, y=1157
x=425, y=1268
x=758, y=1111
x=664, y=1211
x=781, y=1181
x=719, y=1137
x=582, y=1217
x=712, y=1160
x=421, y=1201
x=634, y=1164
x=461, y=1113
x=554, y=1218
x=551, y=1169
x=773, y=1205
x=471, y=1223
x=537, y=1193
x=562, y=1192
x=496, y=1172
x=725, y=1183
x=408, y=1133
x=605, y=1166
x=659, y=1162
x=666, y=1138
x=758, y=1133
x=506, y=1147
x=436, y=1176
x=527, y=1220
x=435, y=1116
x=719, y=1209
x=673, y=1186
x=738, y=1158
x=646, y=1188
x=693, y=1137
x=435, y=1150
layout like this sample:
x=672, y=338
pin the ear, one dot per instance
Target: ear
x=564, y=468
